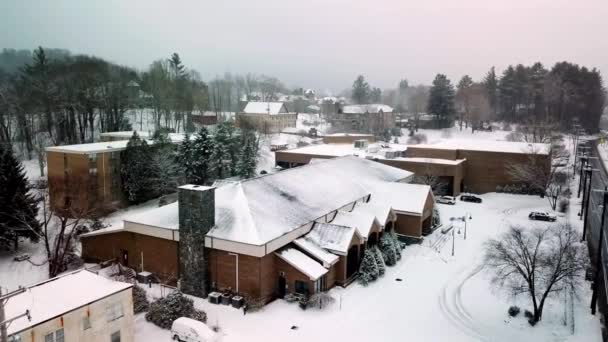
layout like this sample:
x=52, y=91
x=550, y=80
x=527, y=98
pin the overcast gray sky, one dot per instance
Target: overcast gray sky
x=319, y=43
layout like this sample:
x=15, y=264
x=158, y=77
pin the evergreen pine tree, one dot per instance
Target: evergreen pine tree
x=368, y=271
x=18, y=208
x=379, y=261
x=396, y=244
x=441, y=101
x=200, y=166
x=387, y=248
x=165, y=169
x=136, y=170
x=245, y=167
x=361, y=90
x=221, y=154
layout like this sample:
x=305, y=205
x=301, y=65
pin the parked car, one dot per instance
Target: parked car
x=186, y=329
x=542, y=216
x=447, y=200
x=470, y=198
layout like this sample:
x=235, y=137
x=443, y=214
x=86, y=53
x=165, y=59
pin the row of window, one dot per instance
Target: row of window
x=113, y=312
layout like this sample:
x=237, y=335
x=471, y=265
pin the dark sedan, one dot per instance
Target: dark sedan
x=470, y=198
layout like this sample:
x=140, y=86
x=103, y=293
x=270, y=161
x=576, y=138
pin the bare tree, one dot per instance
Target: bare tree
x=535, y=171
x=438, y=185
x=536, y=261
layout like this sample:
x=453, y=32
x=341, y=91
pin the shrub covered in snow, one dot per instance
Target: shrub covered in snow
x=418, y=138
x=436, y=221
x=379, y=260
x=368, y=271
x=166, y=310
x=562, y=205
x=397, y=244
x=320, y=300
x=528, y=314
x=387, y=247
x=514, y=310
x=140, y=300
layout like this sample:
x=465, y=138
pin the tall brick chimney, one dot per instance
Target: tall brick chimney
x=196, y=218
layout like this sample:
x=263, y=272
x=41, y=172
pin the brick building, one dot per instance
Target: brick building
x=471, y=166
x=301, y=230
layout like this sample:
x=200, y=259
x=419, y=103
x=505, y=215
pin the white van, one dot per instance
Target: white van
x=186, y=329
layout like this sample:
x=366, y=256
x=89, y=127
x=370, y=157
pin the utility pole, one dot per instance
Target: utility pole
x=4, y=322
x=598, y=261
x=588, y=175
x=580, y=178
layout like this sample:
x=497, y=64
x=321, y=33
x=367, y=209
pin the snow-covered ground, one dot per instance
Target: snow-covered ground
x=440, y=298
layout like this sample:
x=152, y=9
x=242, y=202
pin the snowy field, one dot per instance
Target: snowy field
x=441, y=297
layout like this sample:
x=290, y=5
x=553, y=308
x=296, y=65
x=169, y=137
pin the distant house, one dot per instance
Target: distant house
x=266, y=117
x=366, y=118
x=77, y=306
x=302, y=230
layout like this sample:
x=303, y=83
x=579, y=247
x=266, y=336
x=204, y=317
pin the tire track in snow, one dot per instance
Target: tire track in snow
x=450, y=303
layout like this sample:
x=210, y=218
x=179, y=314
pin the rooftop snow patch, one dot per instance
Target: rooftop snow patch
x=107, y=146
x=332, y=237
x=381, y=211
x=302, y=263
x=309, y=246
x=272, y=108
x=367, y=108
x=402, y=197
x=373, y=151
x=57, y=296
x=126, y=134
x=488, y=146
x=360, y=220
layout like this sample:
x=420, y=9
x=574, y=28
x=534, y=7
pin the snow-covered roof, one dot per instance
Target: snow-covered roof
x=106, y=146
x=312, y=248
x=366, y=108
x=437, y=161
x=166, y=216
x=488, y=146
x=402, y=197
x=272, y=108
x=373, y=151
x=362, y=135
x=360, y=220
x=247, y=211
x=126, y=134
x=332, y=237
x=382, y=211
x=302, y=263
x=57, y=296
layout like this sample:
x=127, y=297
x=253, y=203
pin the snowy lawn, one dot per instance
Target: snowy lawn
x=440, y=297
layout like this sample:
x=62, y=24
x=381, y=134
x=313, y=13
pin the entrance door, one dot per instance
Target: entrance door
x=125, y=257
x=282, y=286
x=352, y=261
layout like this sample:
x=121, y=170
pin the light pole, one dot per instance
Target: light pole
x=598, y=261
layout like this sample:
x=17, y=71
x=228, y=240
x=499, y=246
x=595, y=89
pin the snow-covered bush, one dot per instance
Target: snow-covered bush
x=417, y=138
x=436, y=221
x=388, y=249
x=562, y=205
x=514, y=310
x=368, y=271
x=514, y=136
x=397, y=244
x=499, y=188
x=507, y=127
x=256, y=304
x=320, y=300
x=379, y=261
x=140, y=300
x=166, y=310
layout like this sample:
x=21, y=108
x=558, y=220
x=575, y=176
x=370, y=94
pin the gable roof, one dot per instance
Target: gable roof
x=302, y=263
x=332, y=237
x=367, y=108
x=382, y=211
x=272, y=108
x=360, y=220
x=402, y=197
x=312, y=248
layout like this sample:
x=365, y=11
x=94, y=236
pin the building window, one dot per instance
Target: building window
x=86, y=323
x=115, y=337
x=302, y=287
x=56, y=336
x=114, y=312
x=93, y=171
